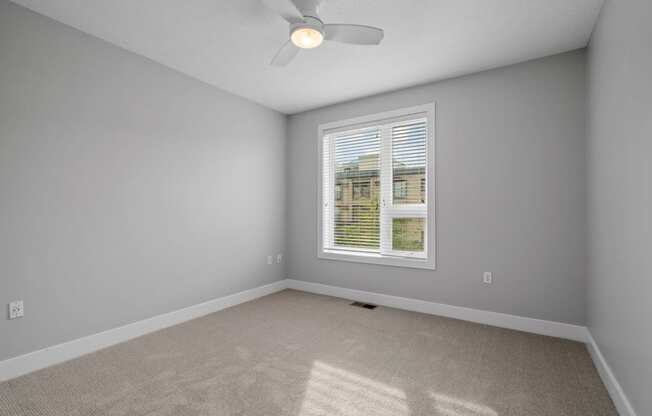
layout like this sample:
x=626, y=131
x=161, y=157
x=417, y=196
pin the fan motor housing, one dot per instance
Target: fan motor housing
x=309, y=22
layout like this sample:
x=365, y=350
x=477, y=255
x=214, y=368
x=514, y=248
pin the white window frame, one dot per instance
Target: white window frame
x=390, y=258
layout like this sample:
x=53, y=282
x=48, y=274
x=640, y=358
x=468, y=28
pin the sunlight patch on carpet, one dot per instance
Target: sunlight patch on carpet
x=338, y=392
x=451, y=406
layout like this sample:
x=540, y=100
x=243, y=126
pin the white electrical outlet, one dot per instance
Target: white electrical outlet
x=16, y=309
x=487, y=277
x=279, y=258
x=270, y=260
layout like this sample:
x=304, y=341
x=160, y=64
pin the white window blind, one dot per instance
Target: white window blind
x=374, y=189
x=356, y=172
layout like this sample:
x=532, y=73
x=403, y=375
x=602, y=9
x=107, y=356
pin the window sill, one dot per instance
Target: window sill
x=375, y=258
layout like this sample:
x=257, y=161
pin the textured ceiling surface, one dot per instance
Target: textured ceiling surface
x=229, y=43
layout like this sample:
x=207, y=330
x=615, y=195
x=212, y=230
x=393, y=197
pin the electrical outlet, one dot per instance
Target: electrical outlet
x=16, y=309
x=270, y=260
x=487, y=277
x=279, y=258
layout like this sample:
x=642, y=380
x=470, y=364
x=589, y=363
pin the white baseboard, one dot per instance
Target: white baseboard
x=56, y=354
x=537, y=326
x=616, y=392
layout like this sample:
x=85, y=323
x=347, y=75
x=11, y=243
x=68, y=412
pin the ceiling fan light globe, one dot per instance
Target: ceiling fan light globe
x=306, y=37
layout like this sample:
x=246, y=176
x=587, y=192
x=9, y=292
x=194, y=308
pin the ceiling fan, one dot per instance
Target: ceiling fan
x=308, y=31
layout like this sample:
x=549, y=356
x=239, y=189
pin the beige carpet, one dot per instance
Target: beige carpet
x=298, y=354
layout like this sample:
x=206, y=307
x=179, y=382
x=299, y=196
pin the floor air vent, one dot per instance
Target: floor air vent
x=364, y=305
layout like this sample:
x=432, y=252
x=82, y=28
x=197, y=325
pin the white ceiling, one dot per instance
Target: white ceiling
x=229, y=43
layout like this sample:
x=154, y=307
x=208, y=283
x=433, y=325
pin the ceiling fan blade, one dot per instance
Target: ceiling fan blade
x=357, y=34
x=285, y=54
x=286, y=9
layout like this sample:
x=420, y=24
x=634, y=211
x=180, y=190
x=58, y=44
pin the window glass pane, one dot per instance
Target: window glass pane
x=357, y=175
x=400, y=189
x=409, y=163
x=407, y=234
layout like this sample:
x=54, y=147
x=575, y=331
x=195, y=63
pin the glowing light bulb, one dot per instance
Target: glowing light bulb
x=307, y=37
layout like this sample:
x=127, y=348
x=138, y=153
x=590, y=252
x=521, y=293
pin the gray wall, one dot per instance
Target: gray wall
x=620, y=194
x=510, y=189
x=126, y=189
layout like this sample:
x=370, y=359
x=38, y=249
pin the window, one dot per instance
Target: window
x=360, y=190
x=377, y=189
x=400, y=189
x=423, y=189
